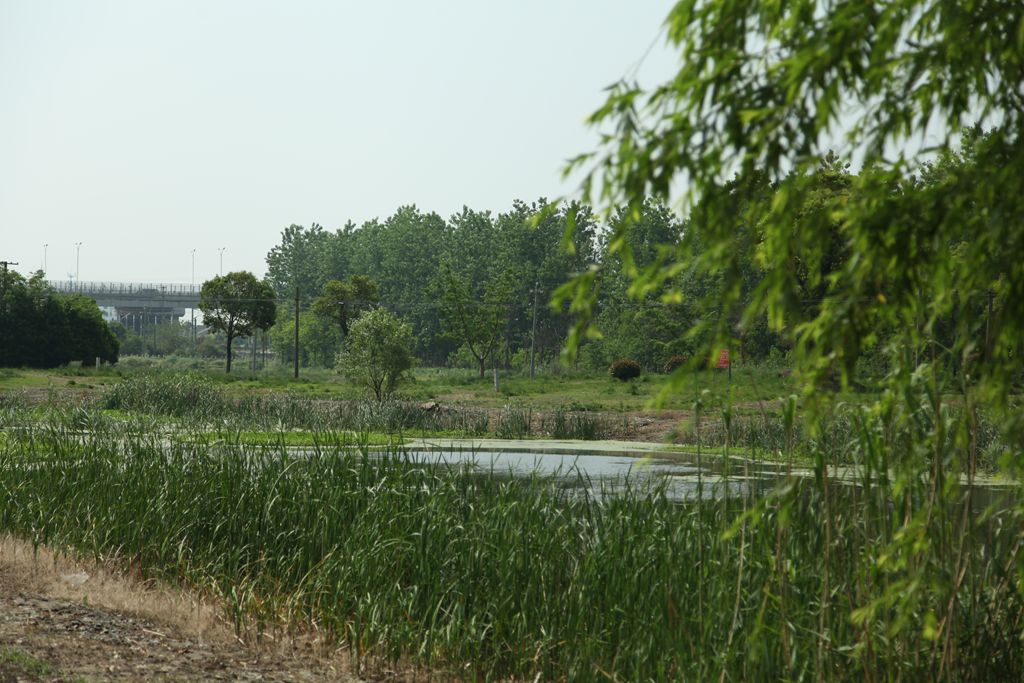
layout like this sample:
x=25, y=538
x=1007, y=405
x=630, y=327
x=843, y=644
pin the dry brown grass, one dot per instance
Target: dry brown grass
x=49, y=573
x=42, y=571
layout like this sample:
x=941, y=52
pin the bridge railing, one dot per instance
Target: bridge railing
x=124, y=288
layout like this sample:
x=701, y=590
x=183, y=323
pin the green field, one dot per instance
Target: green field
x=578, y=390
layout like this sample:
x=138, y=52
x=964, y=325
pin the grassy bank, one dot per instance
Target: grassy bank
x=593, y=391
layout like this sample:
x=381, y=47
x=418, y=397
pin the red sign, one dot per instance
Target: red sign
x=723, y=360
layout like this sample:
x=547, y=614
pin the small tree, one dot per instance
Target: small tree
x=378, y=352
x=237, y=304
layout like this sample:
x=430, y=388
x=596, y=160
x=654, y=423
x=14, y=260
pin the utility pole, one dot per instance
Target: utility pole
x=296, y=330
x=533, y=334
x=44, y=255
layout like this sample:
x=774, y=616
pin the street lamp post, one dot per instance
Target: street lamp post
x=221, y=250
x=78, y=250
x=44, y=255
x=193, y=290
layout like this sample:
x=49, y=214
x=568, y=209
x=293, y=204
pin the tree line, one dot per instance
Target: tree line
x=477, y=288
x=468, y=284
x=40, y=328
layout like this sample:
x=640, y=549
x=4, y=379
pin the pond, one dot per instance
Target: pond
x=608, y=466
x=601, y=466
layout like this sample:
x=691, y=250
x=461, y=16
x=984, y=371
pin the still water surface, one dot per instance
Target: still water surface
x=608, y=471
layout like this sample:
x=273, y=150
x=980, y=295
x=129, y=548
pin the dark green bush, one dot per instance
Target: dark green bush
x=624, y=369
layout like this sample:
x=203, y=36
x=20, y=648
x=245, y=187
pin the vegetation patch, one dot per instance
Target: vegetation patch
x=29, y=665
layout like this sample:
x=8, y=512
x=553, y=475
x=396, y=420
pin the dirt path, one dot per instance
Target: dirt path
x=54, y=639
x=68, y=622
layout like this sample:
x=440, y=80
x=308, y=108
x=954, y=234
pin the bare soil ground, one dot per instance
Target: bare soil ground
x=71, y=622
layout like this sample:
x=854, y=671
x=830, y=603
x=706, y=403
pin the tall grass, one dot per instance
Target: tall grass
x=836, y=436
x=514, y=422
x=195, y=397
x=576, y=424
x=489, y=577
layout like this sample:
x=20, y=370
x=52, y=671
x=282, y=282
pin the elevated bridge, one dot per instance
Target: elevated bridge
x=136, y=303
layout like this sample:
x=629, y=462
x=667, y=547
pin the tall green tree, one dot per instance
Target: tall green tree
x=642, y=327
x=319, y=338
x=533, y=244
x=89, y=335
x=301, y=260
x=237, y=304
x=474, y=316
x=400, y=254
x=343, y=302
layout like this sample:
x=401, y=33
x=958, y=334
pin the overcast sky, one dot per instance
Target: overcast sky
x=148, y=129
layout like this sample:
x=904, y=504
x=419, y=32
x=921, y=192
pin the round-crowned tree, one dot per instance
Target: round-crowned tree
x=378, y=352
x=237, y=304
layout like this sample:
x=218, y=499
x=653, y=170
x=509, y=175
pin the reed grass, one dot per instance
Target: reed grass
x=195, y=397
x=836, y=436
x=487, y=577
x=514, y=422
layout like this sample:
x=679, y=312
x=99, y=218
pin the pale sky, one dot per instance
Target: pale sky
x=147, y=129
